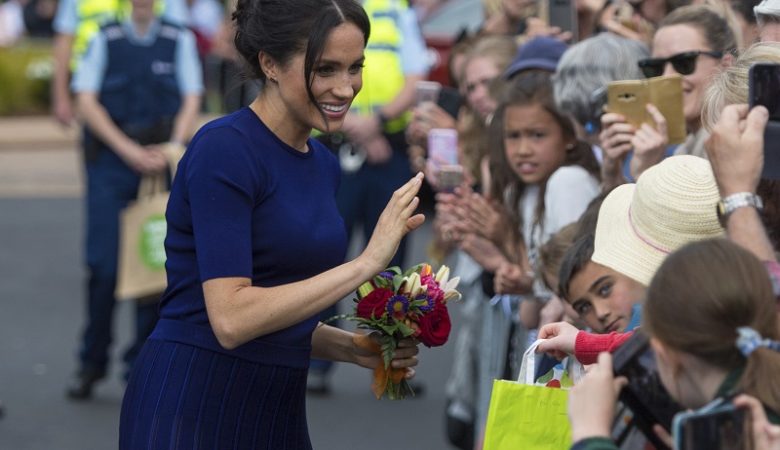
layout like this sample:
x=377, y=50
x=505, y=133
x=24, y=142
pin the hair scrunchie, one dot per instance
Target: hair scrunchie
x=748, y=340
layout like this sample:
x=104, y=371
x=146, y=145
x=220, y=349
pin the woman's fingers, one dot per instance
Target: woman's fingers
x=405, y=193
x=611, y=118
x=658, y=118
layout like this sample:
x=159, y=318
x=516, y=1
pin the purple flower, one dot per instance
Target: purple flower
x=429, y=303
x=397, y=306
x=387, y=275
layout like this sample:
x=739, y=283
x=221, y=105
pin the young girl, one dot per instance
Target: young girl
x=712, y=318
x=545, y=174
x=546, y=178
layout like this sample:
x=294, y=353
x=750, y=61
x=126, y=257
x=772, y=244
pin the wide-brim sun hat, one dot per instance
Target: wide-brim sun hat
x=768, y=8
x=639, y=225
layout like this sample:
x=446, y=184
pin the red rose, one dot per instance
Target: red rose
x=374, y=303
x=435, y=326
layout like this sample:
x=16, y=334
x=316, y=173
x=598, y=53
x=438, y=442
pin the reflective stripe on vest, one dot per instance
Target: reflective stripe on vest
x=383, y=75
x=92, y=14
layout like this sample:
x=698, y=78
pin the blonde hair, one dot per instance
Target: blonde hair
x=730, y=86
x=472, y=131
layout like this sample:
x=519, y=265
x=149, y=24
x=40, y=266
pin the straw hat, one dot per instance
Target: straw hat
x=672, y=204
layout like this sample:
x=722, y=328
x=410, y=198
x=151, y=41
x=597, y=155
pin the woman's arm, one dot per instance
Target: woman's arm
x=736, y=151
x=239, y=312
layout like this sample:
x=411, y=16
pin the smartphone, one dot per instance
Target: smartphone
x=443, y=147
x=764, y=90
x=563, y=14
x=718, y=426
x=629, y=98
x=450, y=101
x=427, y=91
x=644, y=395
x=450, y=177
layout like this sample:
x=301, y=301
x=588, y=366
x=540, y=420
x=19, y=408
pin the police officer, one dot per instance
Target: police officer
x=138, y=85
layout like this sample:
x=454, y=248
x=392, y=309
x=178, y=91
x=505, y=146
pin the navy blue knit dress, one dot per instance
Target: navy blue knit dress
x=243, y=204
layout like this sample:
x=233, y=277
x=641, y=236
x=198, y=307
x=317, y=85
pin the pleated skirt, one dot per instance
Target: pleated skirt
x=184, y=397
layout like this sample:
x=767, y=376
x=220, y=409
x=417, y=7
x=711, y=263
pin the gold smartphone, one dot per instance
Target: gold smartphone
x=629, y=97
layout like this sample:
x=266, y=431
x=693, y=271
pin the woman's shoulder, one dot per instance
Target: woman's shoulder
x=231, y=135
x=233, y=124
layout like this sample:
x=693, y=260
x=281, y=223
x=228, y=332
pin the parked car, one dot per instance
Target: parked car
x=442, y=26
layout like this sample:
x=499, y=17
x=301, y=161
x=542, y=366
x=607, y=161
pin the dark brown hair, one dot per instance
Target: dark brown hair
x=699, y=297
x=527, y=89
x=283, y=28
x=552, y=252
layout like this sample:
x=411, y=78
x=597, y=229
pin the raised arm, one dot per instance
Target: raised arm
x=736, y=151
x=239, y=312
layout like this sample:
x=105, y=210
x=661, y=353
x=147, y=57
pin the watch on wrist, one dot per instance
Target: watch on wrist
x=731, y=203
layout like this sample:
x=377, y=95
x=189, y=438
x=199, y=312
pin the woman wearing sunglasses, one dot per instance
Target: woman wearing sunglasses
x=694, y=42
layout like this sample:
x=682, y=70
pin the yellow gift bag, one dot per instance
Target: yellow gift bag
x=526, y=414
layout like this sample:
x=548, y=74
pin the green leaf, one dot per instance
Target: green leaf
x=397, y=281
x=405, y=330
x=413, y=269
x=418, y=303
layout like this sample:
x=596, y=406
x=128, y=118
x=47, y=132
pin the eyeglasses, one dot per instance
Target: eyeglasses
x=683, y=63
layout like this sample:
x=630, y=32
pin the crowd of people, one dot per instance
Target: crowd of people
x=570, y=222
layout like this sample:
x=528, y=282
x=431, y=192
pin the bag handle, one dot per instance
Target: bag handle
x=173, y=153
x=528, y=366
x=151, y=185
x=157, y=183
x=527, y=373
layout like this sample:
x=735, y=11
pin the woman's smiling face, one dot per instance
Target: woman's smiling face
x=336, y=80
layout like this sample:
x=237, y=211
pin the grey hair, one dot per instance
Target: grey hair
x=586, y=68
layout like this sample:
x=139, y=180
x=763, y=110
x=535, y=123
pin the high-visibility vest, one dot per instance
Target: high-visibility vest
x=383, y=75
x=90, y=16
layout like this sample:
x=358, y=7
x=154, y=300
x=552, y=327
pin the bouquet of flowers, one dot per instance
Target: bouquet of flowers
x=398, y=305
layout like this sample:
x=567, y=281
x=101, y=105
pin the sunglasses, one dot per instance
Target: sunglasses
x=683, y=63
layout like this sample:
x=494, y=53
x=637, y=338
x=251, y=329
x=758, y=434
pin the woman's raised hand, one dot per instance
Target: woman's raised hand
x=395, y=222
x=649, y=143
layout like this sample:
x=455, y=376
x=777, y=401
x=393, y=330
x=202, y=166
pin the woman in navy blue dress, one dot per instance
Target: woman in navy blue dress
x=256, y=246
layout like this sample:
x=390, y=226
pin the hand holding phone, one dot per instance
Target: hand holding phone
x=630, y=98
x=427, y=91
x=717, y=426
x=443, y=158
x=764, y=90
x=647, y=398
x=563, y=14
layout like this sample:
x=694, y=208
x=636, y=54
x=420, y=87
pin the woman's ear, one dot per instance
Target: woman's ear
x=727, y=60
x=269, y=66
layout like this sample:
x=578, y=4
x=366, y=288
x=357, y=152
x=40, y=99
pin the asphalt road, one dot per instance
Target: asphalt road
x=41, y=304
